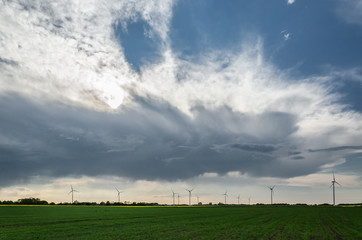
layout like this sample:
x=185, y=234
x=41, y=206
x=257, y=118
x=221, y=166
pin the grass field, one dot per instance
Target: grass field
x=219, y=222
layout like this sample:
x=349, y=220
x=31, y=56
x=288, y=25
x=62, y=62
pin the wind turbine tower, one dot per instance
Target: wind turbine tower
x=189, y=195
x=332, y=185
x=72, y=191
x=225, y=194
x=238, y=200
x=119, y=195
x=198, y=199
x=173, y=197
x=178, y=199
x=271, y=194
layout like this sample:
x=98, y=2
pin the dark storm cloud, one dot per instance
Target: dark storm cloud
x=340, y=148
x=294, y=153
x=8, y=62
x=254, y=148
x=148, y=139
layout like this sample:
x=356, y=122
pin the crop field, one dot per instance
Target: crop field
x=214, y=222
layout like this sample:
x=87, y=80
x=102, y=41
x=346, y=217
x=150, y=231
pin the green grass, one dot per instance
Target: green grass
x=221, y=222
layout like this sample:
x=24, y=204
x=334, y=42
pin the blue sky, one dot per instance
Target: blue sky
x=150, y=96
x=317, y=35
x=308, y=37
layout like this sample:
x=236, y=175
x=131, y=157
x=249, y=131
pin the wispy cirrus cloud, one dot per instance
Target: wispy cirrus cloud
x=350, y=11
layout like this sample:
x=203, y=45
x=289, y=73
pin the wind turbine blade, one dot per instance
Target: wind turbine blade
x=338, y=184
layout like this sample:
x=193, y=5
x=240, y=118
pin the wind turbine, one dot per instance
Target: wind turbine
x=249, y=200
x=173, y=197
x=119, y=195
x=189, y=195
x=178, y=199
x=225, y=194
x=238, y=200
x=72, y=191
x=271, y=194
x=332, y=185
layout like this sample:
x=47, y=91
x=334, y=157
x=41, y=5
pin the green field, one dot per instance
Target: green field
x=217, y=222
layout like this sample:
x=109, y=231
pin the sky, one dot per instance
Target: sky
x=151, y=96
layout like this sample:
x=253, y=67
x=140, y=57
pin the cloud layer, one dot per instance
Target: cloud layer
x=71, y=104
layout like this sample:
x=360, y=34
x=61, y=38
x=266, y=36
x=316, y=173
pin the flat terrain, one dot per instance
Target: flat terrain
x=218, y=222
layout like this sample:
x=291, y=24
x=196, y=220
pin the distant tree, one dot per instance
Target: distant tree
x=324, y=204
x=32, y=201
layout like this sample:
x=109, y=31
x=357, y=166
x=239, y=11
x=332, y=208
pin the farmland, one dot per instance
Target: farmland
x=204, y=222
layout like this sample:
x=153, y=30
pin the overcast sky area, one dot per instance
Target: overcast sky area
x=151, y=96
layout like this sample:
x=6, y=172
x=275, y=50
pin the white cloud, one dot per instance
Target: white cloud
x=68, y=50
x=291, y=1
x=247, y=84
x=350, y=11
x=323, y=180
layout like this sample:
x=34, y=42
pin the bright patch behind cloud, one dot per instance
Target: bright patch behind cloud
x=67, y=51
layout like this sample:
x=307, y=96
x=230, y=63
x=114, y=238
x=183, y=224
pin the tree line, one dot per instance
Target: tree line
x=37, y=201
